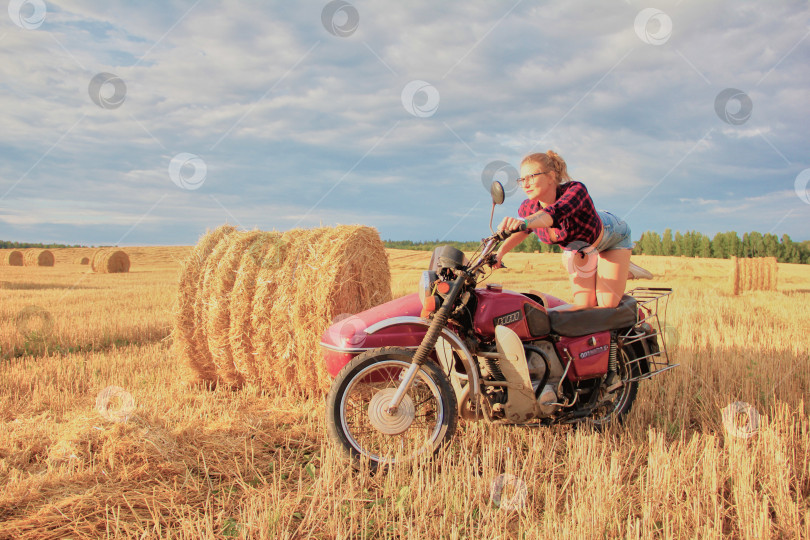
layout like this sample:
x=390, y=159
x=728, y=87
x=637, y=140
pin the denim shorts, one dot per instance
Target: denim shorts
x=616, y=233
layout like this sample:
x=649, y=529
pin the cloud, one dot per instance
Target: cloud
x=281, y=110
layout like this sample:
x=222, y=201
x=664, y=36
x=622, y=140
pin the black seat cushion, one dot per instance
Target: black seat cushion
x=588, y=321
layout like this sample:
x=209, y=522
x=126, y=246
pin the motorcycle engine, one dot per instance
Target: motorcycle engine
x=537, y=367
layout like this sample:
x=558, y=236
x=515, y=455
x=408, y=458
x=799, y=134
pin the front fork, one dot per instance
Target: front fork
x=428, y=342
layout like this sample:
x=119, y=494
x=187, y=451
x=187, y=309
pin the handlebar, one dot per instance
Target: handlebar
x=503, y=235
x=490, y=243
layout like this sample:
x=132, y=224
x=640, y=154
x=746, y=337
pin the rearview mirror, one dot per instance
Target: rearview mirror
x=496, y=190
x=498, y=196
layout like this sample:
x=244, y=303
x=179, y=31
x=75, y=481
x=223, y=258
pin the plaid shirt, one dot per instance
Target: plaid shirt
x=574, y=216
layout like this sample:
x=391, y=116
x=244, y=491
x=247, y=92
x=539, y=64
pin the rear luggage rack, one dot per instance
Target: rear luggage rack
x=652, y=305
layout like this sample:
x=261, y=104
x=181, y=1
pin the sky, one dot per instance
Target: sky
x=146, y=123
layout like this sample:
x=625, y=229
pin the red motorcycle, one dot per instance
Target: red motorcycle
x=406, y=370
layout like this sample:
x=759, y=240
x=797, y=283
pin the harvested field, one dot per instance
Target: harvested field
x=155, y=457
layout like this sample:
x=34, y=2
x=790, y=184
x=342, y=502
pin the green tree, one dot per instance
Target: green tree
x=705, y=246
x=757, y=244
x=735, y=246
x=651, y=243
x=667, y=246
x=719, y=248
x=771, y=242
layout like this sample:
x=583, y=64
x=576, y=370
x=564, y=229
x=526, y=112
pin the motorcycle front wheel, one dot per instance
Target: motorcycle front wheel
x=356, y=409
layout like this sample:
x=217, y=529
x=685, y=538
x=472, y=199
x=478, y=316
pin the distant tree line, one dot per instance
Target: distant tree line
x=688, y=244
x=723, y=246
x=6, y=244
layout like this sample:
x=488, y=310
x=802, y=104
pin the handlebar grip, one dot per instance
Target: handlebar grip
x=503, y=235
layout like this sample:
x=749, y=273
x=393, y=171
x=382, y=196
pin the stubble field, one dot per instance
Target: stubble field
x=172, y=460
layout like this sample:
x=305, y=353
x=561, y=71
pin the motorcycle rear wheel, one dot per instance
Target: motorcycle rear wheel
x=356, y=417
x=619, y=402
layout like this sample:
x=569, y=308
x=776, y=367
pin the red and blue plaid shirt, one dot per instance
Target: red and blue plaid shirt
x=574, y=216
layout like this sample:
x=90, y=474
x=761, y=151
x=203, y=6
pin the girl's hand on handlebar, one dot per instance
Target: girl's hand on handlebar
x=510, y=224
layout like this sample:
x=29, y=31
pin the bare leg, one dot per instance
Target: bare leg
x=582, y=274
x=611, y=276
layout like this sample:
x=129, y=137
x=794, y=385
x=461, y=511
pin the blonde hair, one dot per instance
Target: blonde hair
x=551, y=161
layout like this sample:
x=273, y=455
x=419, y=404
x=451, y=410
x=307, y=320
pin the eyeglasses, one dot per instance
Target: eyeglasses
x=525, y=180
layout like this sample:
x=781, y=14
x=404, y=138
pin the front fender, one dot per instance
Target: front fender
x=409, y=331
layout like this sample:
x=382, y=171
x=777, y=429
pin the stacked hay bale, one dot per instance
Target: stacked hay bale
x=110, y=261
x=252, y=306
x=754, y=274
x=11, y=258
x=38, y=257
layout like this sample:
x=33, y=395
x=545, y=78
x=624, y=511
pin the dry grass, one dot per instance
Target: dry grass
x=252, y=305
x=196, y=463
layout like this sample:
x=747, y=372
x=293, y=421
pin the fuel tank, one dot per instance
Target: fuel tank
x=523, y=313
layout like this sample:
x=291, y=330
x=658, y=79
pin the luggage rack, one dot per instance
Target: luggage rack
x=652, y=305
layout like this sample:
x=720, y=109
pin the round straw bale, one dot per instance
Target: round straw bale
x=110, y=261
x=13, y=257
x=219, y=306
x=82, y=260
x=186, y=330
x=38, y=257
x=278, y=334
x=261, y=302
x=241, y=307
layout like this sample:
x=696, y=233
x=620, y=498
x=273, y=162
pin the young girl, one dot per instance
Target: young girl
x=596, y=245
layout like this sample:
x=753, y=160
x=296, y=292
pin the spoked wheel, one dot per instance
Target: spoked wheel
x=615, y=405
x=357, y=408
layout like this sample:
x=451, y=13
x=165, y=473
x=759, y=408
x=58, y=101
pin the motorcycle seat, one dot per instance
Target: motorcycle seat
x=591, y=320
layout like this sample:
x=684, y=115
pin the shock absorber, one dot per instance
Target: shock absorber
x=613, y=365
